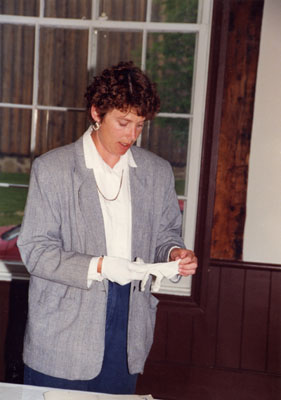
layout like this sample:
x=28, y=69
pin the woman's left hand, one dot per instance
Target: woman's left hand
x=188, y=261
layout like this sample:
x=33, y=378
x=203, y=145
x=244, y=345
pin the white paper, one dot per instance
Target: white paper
x=70, y=395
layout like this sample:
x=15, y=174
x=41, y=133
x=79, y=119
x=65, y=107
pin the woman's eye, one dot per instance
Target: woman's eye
x=123, y=124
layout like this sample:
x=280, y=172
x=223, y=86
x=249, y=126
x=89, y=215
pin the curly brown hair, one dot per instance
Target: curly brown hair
x=123, y=86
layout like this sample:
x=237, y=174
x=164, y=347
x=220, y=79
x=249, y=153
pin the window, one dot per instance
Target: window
x=51, y=48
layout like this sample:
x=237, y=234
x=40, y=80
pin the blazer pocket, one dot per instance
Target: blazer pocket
x=143, y=314
x=51, y=317
x=55, y=302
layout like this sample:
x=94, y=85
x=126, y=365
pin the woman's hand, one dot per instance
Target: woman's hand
x=188, y=261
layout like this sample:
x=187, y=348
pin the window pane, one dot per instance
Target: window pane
x=16, y=67
x=57, y=128
x=20, y=7
x=15, y=131
x=123, y=10
x=68, y=8
x=117, y=46
x=63, y=67
x=12, y=202
x=174, y=11
x=12, y=199
x=168, y=137
x=170, y=59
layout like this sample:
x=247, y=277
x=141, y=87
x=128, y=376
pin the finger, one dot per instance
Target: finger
x=187, y=273
x=188, y=269
x=188, y=260
x=177, y=254
x=185, y=253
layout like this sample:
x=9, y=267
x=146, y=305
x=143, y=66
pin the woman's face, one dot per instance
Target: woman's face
x=117, y=133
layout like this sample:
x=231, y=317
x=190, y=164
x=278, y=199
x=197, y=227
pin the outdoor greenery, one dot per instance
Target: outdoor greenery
x=170, y=63
x=12, y=200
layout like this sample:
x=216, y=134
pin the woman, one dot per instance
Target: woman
x=94, y=207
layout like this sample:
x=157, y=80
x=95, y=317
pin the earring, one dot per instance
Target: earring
x=96, y=126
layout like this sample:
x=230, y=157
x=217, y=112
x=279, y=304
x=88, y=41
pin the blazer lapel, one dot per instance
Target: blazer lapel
x=88, y=201
x=140, y=199
x=89, y=204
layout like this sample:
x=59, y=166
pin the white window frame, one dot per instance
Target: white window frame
x=196, y=116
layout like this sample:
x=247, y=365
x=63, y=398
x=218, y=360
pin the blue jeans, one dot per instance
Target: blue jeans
x=114, y=377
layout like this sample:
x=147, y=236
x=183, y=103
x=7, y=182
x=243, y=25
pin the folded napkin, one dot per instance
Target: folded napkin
x=159, y=271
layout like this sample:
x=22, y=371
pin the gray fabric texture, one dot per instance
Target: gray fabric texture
x=62, y=229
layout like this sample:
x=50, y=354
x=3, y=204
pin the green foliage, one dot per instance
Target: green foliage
x=177, y=10
x=170, y=64
x=170, y=61
x=12, y=200
x=180, y=185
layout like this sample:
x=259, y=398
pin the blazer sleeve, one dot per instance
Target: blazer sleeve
x=170, y=228
x=40, y=241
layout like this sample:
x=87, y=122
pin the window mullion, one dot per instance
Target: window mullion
x=101, y=24
x=35, y=87
x=196, y=125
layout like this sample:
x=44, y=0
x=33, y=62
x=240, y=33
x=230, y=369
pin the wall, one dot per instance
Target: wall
x=263, y=216
x=225, y=343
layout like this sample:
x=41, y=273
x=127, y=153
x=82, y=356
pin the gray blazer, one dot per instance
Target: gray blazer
x=62, y=229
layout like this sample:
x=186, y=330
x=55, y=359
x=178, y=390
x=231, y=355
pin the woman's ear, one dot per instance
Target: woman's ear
x=94, y=114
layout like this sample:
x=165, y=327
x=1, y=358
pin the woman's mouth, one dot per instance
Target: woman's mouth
x=125, y=145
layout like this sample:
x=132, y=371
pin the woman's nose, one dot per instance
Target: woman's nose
x=134, y=133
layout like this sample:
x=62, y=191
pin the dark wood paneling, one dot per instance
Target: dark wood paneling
x=19, y=7
x=13, y=312
x=4, y=314
x=179, y=337
x=15, y=331
x=62, y=67
x=236, y=125
x=194, y=383
x=158, y=351
x=17, y=49
x=205, y=325
x=256, y=318
x=274, y=327
x=210, y=145
x=230, y=318
x=15, y=131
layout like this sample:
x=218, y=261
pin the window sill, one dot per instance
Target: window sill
x=11, y=270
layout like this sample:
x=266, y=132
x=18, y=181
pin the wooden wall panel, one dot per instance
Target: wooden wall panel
x=68, y=8
x=205, y=325
x=236, y=124
x=58, y=128
x=15, y=131
x=63, y=75
x=255, y=320
x=158, y=351
x=18, y=301
x=4, y=315
x=17, y=49
x=274, y=327
x=180, y=339
x=19, y=7
x=194, y=383
x=230, y=318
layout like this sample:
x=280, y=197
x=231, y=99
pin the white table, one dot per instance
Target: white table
x=23, y=392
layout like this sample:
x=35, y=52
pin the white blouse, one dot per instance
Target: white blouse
x=117, y=214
